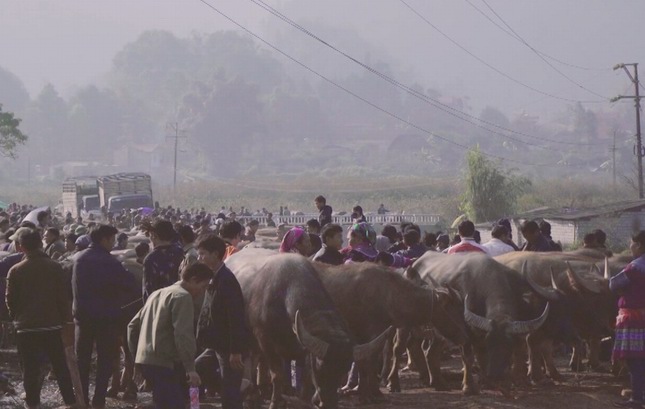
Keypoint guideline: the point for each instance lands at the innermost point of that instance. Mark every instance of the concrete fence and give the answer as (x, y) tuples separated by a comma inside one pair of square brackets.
[(301, 219)]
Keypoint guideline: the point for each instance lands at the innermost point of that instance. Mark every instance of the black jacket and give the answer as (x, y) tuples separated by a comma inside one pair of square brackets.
[(325, 215), (329, 256), (225, 330)]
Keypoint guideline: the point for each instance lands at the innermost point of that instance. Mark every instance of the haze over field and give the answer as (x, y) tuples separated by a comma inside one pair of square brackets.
[(100, 81)]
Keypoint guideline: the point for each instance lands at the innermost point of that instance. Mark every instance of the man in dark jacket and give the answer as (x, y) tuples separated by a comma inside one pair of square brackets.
[(101, 286), (535, 240), (325, 211), (5, 265), (161, 266), (412, 238), (332, 238), (222, 328), (40, 307)]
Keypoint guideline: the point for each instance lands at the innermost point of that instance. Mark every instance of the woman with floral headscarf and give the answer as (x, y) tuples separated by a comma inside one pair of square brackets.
[(361, 238), (296, 241)]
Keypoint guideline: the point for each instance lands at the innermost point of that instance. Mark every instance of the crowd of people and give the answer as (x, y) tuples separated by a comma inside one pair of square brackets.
[(177, 311)]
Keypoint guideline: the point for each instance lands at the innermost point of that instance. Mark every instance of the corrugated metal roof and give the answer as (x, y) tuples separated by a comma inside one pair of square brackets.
[(583, 213)]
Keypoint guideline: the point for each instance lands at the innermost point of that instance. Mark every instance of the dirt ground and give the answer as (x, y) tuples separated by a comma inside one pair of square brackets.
[(586, 390)]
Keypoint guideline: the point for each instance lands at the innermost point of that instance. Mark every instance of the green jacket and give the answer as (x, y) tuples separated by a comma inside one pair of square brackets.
[(38, 296), (162, 333)]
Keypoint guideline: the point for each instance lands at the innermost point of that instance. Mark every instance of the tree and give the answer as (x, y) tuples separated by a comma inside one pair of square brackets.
[(14, 95), (10, 135), (491, 192), (46, 120)]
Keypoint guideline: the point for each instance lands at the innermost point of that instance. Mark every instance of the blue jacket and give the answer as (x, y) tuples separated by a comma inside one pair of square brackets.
[(101, 286)]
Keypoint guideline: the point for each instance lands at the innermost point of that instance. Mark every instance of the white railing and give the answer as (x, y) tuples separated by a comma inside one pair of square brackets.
[(301, 220)]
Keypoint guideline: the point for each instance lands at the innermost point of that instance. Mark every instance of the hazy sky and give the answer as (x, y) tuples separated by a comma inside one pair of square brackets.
[(72, 42)]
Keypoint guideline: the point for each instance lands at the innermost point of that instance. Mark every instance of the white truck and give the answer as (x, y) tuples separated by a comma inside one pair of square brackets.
[(81, 197), (123, 191)]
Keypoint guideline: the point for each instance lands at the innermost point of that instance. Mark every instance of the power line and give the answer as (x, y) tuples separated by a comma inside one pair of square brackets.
[(419, 95), (497, 70), (513, 36), (373, 105), (540, 56)]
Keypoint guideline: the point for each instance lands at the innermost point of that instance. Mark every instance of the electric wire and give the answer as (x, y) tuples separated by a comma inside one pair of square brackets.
[(373, 105), (542, 57), (480, 11), (497, 70), (464, 116)]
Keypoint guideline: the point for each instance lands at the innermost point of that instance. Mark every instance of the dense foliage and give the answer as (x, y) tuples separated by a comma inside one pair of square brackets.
[(491, 191), (10, 134), (247, 112)]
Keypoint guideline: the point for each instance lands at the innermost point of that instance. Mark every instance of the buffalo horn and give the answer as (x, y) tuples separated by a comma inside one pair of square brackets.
[(313, 344), (543, 292), (367, 351), (475, 320), (554, 283), (581, 281), (607, 275), (525, 327)]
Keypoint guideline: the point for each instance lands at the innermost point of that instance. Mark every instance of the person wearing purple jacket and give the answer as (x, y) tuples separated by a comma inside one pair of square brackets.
[(101, 286), (629, 343)]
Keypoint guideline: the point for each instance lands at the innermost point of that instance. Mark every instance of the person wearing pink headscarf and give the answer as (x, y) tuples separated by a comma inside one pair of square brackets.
[(296, 241)]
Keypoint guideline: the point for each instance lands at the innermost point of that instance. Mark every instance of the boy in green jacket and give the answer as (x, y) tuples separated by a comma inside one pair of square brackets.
[(162, 337)]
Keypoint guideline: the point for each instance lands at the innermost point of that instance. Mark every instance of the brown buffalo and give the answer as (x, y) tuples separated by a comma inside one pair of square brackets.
[(371, 298), (292, 316)]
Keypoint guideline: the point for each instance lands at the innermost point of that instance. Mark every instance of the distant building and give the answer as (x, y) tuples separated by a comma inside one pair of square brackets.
[(620, 220), (151, 158)]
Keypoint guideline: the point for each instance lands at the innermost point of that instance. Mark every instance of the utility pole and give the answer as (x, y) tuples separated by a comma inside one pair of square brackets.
[(613, 162), (175, 128), (637, 98)]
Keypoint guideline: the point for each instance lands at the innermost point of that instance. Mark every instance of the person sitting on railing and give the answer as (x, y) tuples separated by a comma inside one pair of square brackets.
[(325, 210), (270, 221), (357, 215)]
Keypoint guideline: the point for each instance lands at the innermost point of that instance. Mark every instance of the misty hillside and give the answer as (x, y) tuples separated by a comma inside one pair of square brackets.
[(243, 109)]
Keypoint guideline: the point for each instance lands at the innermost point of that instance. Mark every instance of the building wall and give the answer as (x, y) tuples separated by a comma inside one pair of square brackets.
[(563, 231), (619, 229)]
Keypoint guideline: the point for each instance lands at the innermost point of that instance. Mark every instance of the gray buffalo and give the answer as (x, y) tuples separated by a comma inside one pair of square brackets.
[(494, 309), (579, 280)]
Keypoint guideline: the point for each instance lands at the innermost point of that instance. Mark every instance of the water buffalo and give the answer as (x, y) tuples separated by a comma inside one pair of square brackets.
[(494, 309), (291, 314), (579, 280), (371, 298)]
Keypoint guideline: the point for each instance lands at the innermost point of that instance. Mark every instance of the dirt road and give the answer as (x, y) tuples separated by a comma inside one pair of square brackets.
[(587, 390)]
